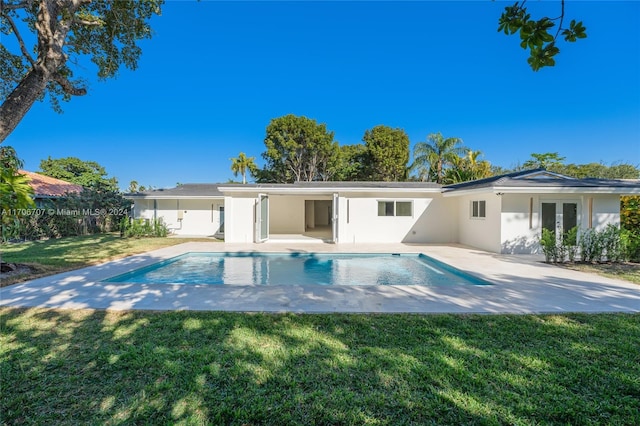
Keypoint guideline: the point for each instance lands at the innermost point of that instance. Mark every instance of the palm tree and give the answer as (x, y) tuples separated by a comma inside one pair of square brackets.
[(436, 154), (241, 164)]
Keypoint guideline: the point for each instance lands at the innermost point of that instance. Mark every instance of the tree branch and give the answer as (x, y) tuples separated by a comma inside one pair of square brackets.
[(14, 6), (68, 87), (561, 20), (23, 47)]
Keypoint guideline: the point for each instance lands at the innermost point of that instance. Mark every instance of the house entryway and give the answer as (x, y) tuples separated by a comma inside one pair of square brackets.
[(559, 216), (284, 218)]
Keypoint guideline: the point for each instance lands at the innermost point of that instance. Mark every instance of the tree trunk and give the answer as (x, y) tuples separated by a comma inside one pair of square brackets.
[(19, 102)]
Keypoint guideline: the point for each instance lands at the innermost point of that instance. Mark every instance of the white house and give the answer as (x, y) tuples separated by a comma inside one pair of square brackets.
[(502, 214)]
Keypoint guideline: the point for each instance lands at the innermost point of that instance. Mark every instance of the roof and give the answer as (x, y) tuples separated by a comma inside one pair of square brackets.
[(527, 181), (541, 180), (327, 187), (217, 190), (46, 186), (190, 190)]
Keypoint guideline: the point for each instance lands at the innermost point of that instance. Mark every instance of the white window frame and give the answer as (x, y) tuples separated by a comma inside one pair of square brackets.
[(476, 210), (395, 208)]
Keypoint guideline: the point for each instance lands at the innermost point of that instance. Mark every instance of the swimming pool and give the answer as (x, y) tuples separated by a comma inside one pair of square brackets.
[(299, 269)]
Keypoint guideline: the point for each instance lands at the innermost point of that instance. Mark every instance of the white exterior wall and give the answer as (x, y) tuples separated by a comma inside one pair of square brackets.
[(483, 233), (199, 216), (606, 210), (518, 237), (359, 222), (143, 209)]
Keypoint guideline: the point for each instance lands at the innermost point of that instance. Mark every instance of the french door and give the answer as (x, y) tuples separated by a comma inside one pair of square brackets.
[(559, 216), (262, 218)]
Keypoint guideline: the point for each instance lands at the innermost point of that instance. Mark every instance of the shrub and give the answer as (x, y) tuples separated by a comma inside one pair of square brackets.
[(548, 244), (138, 228)]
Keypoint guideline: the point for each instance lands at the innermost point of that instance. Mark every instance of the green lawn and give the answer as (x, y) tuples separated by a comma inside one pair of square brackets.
[(52, 256), (622, 271), (101, 367)]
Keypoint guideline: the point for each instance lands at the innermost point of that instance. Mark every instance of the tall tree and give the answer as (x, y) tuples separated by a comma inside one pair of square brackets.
[(133, 187), (63, 31), (436, 154), (298, 149), (468, 167), (538, 36), (241, 164), (353, 163), (388, 151), (549, 160), (86, 173)]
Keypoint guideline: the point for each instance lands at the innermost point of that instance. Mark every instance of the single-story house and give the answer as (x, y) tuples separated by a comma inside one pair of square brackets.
[(501, 214), (48, 188)]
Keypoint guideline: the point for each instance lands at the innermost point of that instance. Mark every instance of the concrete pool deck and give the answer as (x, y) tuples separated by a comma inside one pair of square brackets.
[(521, 284)]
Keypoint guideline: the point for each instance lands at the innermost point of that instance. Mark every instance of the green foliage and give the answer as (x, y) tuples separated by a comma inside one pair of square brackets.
[(570, 243), (15, 191), (105, 31), (548, 245), (298, 149), (432, 158), (467, 168), (73, 366), (89, 174), (353, 163), (137, 228), (388, 153), (242, 164), (630, 243), (88, 212), (537, 35), (133, 187), (609, 244), (549, 161)]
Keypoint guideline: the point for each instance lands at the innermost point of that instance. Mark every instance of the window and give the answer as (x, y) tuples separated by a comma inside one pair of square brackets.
[(395, 208), (479, 209), (403, 208)]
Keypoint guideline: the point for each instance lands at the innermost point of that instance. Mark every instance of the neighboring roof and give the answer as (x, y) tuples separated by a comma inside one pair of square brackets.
[(187, 190), (542, 181), (46, 186)]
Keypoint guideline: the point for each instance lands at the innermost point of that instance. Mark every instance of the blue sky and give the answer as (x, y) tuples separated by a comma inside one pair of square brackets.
[(215, 74)]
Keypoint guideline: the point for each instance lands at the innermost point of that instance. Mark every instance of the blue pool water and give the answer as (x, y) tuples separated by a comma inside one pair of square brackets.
[(300, 268)]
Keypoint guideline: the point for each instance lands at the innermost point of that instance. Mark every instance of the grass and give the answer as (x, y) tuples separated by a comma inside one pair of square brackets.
[(102, 367), (53, 256), (622, 271)]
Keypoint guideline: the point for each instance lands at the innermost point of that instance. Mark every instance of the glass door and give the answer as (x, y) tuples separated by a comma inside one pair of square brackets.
[(334, 218), (262, 218), (559, 217)]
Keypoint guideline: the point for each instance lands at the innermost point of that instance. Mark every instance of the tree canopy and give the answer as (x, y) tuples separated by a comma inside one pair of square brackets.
[(388, 153), (298, 149), (241, 164), (86, 173), (432, 157), (63, 31)]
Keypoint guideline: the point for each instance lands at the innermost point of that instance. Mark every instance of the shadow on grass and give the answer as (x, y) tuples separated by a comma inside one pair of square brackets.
[(84, 366)]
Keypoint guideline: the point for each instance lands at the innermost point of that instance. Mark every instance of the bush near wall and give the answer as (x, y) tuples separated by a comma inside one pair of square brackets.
[(143, 228), (89, 212), (630, 222), (611, 244)]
